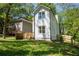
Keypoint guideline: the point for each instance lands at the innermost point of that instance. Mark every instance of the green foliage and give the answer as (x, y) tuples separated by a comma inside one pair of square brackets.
[(22, 10), (11, 11), (17, 10), (64, 12), (35, 48), (71, 22), (29, 18)]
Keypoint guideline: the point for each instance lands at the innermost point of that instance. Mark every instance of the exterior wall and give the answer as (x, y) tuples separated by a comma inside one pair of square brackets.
[(27, 27), (33, 27), (41, 22), (24, 30), (24, 26), (54, 27), (19, 26)]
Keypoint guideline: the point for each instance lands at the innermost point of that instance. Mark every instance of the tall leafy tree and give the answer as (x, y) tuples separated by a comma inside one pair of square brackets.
[(71, 23), (62, 8), (65, 10), (23, 10), (5, 14), (10, 11)]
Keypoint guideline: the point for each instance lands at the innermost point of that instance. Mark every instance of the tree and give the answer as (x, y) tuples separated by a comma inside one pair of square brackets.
[(10, 11), (5, 14), (71, 23), (23, 10), (61, 8)]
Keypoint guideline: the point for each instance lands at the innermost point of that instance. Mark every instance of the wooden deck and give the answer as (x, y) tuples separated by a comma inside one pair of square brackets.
[(25, 35)]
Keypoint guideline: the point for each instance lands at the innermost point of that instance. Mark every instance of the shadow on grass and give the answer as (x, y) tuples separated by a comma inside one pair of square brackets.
[(58, 49), (19, 48), (14, 52)]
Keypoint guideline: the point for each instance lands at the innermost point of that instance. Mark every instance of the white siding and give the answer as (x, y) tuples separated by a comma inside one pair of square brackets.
[(27, 27), (24, 26), (54, 27), (19, 25), (41, 22), (51, 24)]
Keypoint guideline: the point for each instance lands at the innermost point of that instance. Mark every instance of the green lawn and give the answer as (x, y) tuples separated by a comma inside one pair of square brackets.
[(35, 48)]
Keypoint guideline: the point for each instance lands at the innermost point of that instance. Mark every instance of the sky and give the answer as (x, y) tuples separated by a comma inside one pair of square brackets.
[(60, 9)]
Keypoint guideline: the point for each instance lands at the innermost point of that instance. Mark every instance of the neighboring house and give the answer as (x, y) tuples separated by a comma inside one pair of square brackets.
[(23, 29), (45, 24), (23, 25)]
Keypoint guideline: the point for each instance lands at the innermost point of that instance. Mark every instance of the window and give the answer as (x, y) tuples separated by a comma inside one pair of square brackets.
[(41, 29), (41, 15)]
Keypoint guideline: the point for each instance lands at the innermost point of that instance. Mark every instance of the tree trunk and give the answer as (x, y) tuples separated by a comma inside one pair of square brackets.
[(5, 21), (4, 31), (73, 38)]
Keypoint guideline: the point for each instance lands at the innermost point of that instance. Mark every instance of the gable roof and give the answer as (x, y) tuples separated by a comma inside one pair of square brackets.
[(41, 7), (23, 20)]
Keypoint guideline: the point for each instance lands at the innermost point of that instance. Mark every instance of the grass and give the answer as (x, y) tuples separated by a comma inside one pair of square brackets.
[(36, 48)]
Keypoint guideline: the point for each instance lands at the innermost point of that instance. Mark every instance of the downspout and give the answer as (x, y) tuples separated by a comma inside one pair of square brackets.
[(50, 26), (34, 26)]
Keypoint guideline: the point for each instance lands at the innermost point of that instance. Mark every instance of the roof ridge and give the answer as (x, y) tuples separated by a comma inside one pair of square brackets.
[(22, 19), (41, 6)]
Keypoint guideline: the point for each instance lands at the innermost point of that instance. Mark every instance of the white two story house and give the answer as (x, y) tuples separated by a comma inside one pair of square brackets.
[(45, 24)]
